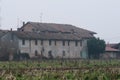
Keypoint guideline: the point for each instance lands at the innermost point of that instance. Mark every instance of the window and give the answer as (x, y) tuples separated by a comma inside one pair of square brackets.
[(43, 49), (36, 42), (41, 42), (36, 53), (23, 42), (76, 43), (50, 54), (63, 53), (55, 43), (68, 43), (33, 30), (63, 43), (22, 30), (50, 42), (80, 43)]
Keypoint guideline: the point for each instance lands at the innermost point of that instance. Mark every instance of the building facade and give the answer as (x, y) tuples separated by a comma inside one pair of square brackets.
[(54, 48), (50, 40)]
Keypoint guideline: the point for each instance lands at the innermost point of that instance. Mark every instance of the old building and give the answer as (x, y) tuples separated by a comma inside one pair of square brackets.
[(50, 40), (111, 52)]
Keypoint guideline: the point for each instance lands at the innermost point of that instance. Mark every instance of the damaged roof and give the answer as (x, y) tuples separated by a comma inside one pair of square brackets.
[(63, 28)]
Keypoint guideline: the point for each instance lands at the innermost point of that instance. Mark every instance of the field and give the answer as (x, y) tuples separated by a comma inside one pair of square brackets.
[(60, 70)]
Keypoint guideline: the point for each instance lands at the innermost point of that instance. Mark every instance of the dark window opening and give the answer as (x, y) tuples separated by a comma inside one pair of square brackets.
[(76, 43), (50, 54), (55, 43), (63, 43), (23, 42), (33, 30), (41, 53), (63, 53), (36, 42), (41, 42), (36, 53), (50, 42), (68, 43), (80, 43), (43, 49)]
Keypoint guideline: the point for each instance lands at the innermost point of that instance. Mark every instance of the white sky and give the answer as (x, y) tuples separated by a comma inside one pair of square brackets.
[(101, 16)]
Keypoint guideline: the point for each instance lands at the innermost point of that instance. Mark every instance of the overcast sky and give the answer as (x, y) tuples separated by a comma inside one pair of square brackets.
[(100, 16)]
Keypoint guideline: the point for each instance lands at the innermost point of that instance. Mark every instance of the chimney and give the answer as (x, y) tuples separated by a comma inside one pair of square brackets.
[(23, 23), (11, 29)]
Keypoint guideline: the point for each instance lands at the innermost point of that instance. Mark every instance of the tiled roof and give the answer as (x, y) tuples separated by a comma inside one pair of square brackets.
[(53, 27), (114, 45), (112, 49), (45, 35), (57, 27)]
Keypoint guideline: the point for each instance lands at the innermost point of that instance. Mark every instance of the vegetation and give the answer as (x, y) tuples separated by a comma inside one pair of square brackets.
[(96, 46), (61, 70), (7, 48)]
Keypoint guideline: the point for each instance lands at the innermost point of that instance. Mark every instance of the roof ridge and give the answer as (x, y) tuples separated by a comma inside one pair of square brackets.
[(49, 23)]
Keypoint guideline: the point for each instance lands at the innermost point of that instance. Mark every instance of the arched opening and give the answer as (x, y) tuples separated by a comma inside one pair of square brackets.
[(50, 54)]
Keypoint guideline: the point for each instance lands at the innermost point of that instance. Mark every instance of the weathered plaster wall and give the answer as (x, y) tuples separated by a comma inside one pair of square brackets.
[(57, 50)]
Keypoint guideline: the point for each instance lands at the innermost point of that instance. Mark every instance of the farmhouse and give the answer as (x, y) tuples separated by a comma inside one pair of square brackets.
[(50, 40)]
